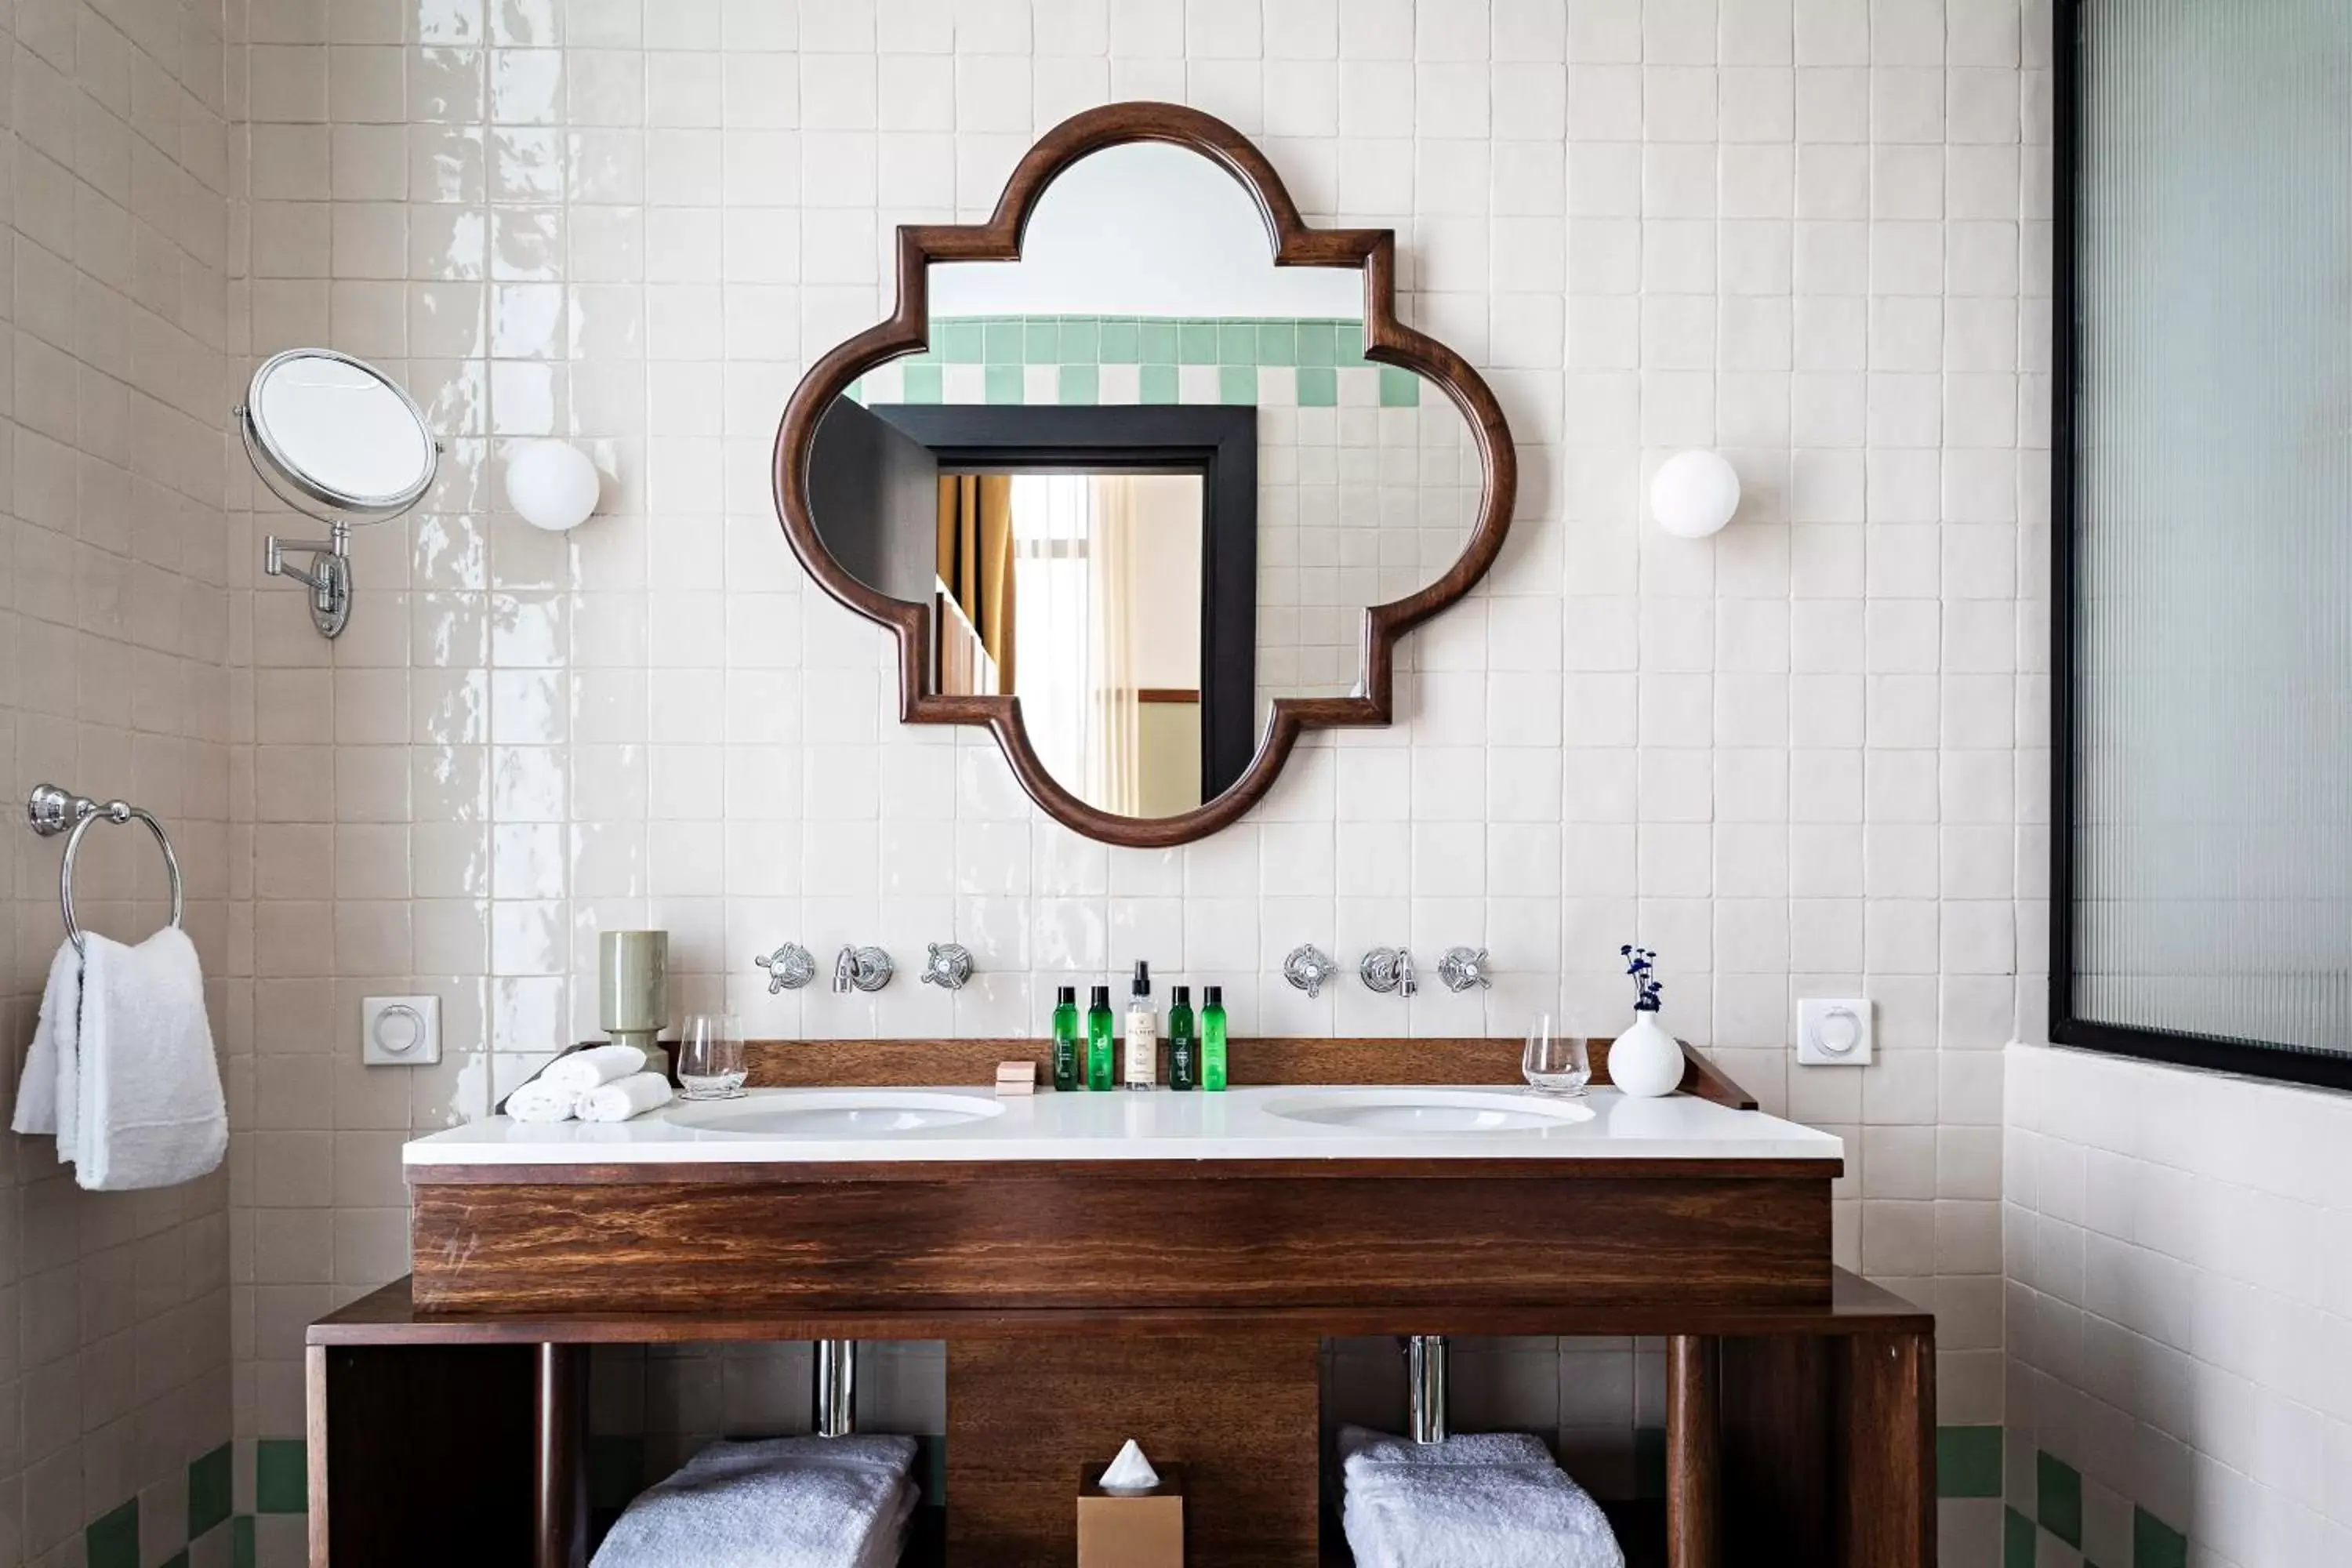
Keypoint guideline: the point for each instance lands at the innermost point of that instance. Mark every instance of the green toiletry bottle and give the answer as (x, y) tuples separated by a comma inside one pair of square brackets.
[(1183, 1061), (1101, 1029), (1213, 1038), (1065, 1038)]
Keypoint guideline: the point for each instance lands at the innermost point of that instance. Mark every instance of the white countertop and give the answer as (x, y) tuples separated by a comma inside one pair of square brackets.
[(1238, 1124)]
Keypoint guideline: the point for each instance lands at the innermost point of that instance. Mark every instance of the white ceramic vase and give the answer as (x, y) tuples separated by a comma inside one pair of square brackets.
[(1645, 1061)]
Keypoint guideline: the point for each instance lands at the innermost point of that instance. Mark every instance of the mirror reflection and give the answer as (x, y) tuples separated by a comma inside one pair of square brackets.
[(1145, 479)]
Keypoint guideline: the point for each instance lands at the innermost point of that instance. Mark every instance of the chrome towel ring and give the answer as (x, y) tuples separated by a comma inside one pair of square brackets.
[(52, 811)]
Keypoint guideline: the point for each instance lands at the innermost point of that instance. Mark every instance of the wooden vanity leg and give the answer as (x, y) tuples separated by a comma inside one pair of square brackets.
[(1693, 1476), (1886, 1390), (559, 1458)]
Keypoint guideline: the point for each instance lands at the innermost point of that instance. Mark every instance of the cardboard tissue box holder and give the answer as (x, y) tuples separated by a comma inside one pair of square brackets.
[(1132, 1530)]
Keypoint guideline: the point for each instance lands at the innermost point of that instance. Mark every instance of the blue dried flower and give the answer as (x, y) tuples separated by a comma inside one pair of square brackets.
[(1642, 964)]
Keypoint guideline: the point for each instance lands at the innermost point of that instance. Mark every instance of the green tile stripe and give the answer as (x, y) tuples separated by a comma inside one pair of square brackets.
[(281, 1476), (1968, 1461), (241, 1552), (1003, 348)]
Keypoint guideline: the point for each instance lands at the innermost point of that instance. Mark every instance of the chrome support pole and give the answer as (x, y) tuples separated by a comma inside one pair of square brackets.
[(1425, 1357), (836, 1388)]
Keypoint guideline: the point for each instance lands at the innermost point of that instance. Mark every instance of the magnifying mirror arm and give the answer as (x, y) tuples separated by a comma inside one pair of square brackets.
[(329, 578)]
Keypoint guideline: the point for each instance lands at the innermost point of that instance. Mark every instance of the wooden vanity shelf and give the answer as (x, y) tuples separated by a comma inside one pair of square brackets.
[(1183, 1302)]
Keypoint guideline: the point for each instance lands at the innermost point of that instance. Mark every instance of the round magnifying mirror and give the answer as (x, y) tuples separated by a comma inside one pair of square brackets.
[(336, 437)]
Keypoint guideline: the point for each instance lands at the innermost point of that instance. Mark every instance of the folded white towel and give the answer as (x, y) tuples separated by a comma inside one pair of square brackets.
[(581, 1071), (624, 1098), (540, 1101), (786, 1503), (134, 1091), (1488, 1500)]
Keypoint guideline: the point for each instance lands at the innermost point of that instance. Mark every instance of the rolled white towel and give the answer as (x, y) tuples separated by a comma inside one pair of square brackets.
[(540, 1101), (1490, 1500), (581, 1071), (786, 1503), (624, 1098)]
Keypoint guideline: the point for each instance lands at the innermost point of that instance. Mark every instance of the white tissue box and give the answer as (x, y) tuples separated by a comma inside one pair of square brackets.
[(1132, 1530)]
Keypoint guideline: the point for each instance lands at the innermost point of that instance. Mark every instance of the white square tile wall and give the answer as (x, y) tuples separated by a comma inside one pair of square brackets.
[(121, 661), (2179, 1307), (1802, 759)]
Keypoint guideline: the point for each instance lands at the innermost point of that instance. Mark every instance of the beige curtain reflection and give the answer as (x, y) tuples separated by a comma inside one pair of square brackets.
[(975, 560), (1114, 760)]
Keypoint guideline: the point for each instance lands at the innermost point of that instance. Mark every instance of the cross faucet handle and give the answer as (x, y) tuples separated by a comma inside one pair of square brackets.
[(1307, 967), (1463, 967), (789, 968)]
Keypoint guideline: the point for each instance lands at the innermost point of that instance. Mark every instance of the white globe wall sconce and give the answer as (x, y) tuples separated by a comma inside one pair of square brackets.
[(1694, 494), (551, 485)]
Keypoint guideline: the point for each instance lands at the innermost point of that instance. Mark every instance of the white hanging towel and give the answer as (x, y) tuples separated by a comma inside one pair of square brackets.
[(135, 1092), (785, 1502), (624, 1098), (1490, 1500), (50, 1062)]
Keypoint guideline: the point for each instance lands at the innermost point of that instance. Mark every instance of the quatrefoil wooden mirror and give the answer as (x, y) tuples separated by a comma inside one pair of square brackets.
[(1145, 474)]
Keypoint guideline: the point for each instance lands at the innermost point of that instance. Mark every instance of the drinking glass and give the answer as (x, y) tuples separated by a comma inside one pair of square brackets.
[(1555, 1063), (711, 1057)]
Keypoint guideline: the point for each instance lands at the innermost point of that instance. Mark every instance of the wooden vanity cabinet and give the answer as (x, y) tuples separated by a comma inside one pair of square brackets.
[(1179, 1303)]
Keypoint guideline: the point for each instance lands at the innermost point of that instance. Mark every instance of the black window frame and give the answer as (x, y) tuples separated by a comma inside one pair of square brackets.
[(2252, 1058)]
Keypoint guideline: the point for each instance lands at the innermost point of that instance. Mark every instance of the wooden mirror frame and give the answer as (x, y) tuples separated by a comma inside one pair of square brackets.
[(1387, 340)]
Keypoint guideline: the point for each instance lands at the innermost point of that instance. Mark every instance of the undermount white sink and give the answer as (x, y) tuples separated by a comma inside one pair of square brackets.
[(848, 1113), (1430, 1110)]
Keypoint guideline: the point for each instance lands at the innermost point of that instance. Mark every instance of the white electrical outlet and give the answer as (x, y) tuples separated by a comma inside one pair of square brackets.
[(1834, 1031), (400, 1031)]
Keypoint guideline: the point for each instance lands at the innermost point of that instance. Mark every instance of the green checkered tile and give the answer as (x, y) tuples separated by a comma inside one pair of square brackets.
[(923, 384), (1278, 342), (1968, 1461), (2058, 1498), (1006, 383), (209, 1485), (2156, 1545), (1121, 343), (1155, 343), (113, 1539), (1399, 388), (1003, 341), (1319, 386), (1080, 384), (1196, 342), (281, 1476), (1041, 341), (1157, 384), (1237, 384), (959, 343)]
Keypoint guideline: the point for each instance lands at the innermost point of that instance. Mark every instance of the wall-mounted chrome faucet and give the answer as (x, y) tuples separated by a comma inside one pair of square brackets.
[(1307, 967), (1386, 969), (866, 968), (1463, 967), (949, 965), (789, 968)]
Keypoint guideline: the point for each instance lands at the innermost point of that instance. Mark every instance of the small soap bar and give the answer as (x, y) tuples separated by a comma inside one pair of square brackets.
[(1016, 1078)]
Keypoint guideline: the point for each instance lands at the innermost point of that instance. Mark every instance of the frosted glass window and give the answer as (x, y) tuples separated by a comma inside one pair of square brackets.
[(2212, 559)]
